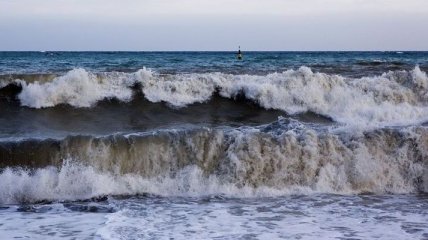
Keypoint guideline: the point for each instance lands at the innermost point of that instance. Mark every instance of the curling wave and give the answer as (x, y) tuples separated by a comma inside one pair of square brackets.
[(394, 98), (280, 158)]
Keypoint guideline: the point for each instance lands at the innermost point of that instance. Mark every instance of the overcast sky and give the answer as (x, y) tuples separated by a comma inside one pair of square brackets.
[(213, 24)]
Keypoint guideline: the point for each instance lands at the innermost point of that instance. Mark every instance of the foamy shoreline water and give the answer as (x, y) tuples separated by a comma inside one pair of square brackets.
[(292, 217)]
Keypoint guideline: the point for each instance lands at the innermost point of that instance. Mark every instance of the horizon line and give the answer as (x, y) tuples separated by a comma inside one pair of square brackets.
[(41, 51)]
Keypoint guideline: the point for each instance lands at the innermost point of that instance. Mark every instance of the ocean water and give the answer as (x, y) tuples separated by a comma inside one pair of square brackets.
[(199, 145)]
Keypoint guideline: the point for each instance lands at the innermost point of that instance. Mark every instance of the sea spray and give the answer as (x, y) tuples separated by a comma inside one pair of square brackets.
[(206, 161), (394, 98)]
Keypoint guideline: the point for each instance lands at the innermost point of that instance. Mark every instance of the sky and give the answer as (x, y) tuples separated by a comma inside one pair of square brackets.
[(208, 25)]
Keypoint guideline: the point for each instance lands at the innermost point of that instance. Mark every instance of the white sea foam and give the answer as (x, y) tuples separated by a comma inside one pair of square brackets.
[(294, 217), (74, 181), (394, 98), (239, 163), (79, 88), (303, 217), (77, 182), (180, 90)]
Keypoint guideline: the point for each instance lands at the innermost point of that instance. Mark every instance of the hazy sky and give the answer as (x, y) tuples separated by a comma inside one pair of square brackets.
[(213, 25)]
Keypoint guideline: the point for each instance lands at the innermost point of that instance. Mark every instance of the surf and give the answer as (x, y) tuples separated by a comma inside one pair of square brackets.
[(284, 157), (395, 98)]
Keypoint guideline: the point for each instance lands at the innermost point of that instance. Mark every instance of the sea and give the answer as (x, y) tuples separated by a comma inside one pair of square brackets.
[(200, 145)]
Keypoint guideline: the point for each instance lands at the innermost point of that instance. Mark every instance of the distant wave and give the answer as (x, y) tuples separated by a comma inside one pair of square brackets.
[(276, 159), (393, 98), (380, 62)]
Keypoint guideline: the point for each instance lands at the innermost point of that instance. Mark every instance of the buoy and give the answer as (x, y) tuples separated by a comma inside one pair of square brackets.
[(239, 55)]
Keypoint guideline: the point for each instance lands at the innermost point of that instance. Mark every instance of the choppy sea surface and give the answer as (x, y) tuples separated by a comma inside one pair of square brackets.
[(199, 145)]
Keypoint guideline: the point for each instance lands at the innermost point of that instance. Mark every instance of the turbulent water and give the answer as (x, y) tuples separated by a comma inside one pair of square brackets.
[(302, 145)]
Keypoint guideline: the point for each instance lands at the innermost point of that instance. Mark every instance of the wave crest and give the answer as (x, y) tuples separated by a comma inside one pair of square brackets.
[(235, 162), (79, 88), (394, 98)]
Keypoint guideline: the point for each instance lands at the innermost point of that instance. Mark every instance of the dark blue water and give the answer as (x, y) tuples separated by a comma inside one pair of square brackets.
[(355, 64)]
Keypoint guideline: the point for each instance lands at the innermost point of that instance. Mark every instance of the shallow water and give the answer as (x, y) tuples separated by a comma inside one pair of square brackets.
[(216, 217)]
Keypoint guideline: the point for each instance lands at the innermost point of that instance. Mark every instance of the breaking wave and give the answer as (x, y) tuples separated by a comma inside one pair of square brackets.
[(276, 159), (394, 98)]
